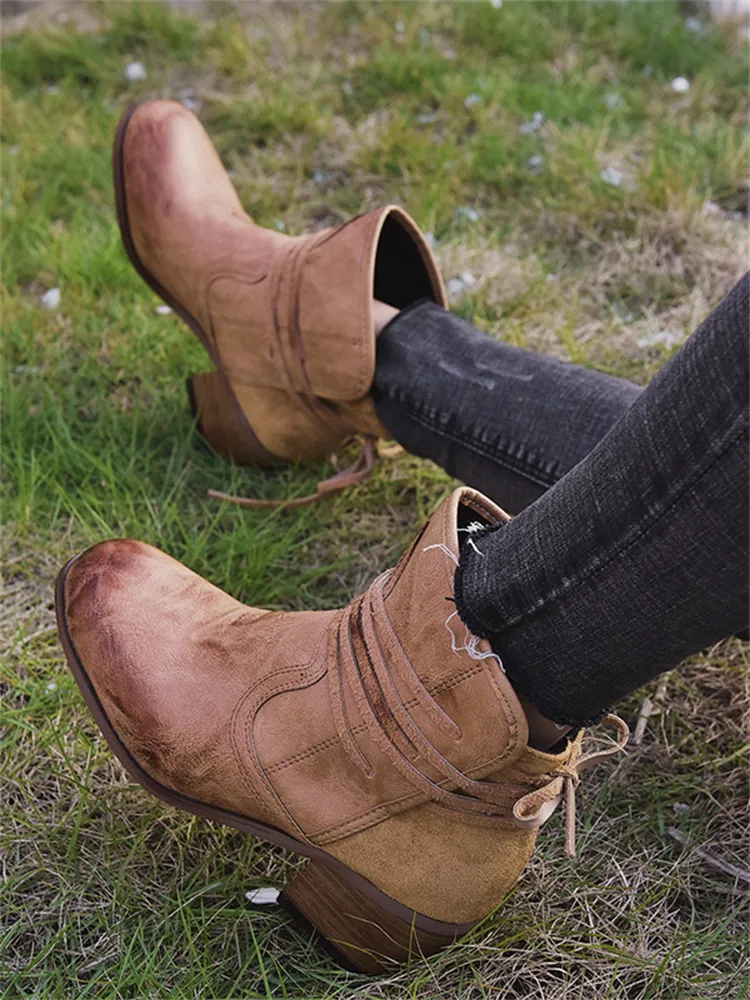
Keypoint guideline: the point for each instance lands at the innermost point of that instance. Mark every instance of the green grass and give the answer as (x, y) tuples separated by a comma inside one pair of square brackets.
[(320, 112)]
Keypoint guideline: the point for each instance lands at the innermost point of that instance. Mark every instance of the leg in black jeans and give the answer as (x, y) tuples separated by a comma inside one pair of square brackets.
[(638, 555)]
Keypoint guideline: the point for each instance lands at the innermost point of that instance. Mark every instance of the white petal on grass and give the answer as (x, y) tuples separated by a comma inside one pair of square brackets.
[(613, 100), (551, 277), (497, 4), (135, 71), (51, 298), (163, 310), (262, 897), (535, 163), (455, 287), (468, 278), (472, 99), (52, 686), (468, 213), (611, 175), (667, 338), (680, 85), (533, 125)]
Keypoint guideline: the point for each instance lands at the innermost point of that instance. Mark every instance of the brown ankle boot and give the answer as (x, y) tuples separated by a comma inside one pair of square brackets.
[(286, 320), (382, 741)]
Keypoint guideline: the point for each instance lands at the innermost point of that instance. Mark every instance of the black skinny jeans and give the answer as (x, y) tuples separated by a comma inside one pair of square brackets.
[(629, 550)]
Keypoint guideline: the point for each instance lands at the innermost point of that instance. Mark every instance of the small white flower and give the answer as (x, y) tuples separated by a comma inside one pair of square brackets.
[(52, 686), (468, 278), (400, 27), (551, 277), (135, 71), (472, 99), (51, 298), (611, 176), (163, 310), (680, 85), (613, 100), (535, 163)]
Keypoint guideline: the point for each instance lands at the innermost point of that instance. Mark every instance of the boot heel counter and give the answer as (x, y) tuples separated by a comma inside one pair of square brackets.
[(444, 864)]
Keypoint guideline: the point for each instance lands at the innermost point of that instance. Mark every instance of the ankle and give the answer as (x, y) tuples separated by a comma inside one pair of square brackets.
[(543, 732), (382, 314)]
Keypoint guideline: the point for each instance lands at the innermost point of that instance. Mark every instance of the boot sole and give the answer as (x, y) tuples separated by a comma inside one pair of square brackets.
[(365, 929), (261, 455)]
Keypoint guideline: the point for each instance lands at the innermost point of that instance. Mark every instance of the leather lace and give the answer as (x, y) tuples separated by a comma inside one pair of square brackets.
[(362, 631), (534, 808), (358, 472)]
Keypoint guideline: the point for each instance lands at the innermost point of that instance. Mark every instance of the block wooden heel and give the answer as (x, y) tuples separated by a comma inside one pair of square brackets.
[(364, 929), (222, 422)]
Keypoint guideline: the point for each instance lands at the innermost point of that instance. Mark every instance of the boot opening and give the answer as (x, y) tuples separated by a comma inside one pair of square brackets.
[(401, 276), (468, 515)]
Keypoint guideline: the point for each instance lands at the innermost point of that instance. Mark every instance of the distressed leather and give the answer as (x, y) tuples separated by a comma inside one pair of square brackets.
[(382, 732), (287, 318)]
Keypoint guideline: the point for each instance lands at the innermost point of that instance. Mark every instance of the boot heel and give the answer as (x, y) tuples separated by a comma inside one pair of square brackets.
[(365, 930), (222, 423)]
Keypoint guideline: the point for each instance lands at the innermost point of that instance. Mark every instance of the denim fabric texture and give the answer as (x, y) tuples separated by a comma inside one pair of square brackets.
[(630, 551)]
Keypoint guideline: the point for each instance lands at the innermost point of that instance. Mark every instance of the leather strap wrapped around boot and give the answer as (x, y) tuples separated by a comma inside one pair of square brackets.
[(287, 320)]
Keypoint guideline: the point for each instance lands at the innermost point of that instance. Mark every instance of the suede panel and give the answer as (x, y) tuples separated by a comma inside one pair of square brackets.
[(443, 864)]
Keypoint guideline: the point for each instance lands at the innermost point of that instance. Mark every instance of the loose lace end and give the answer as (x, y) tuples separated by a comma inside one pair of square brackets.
[(356, 473), (534, 809)]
